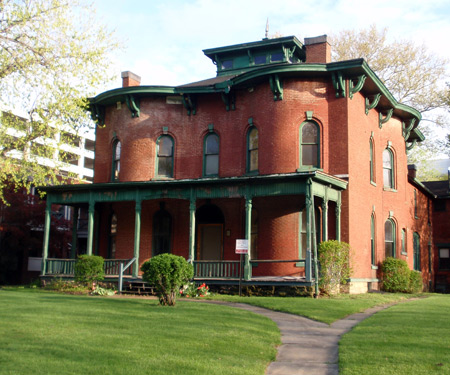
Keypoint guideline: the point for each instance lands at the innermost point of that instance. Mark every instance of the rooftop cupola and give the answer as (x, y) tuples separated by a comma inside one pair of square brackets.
[(239, 58)]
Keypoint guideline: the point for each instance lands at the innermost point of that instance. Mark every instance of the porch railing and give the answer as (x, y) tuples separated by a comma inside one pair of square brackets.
[(216, 269), (66, 267)]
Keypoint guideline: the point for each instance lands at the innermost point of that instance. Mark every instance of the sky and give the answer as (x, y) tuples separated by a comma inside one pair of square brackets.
[(162, 40)]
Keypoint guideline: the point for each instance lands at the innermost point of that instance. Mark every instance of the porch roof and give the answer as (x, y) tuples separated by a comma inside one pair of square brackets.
[(229, 187)]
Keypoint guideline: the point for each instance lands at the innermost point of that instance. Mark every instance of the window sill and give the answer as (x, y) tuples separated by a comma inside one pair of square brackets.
[(300, 264), (373, 183), (252, 173), (308, 169), (416, 217), (390, 189), (403, 253), (374, 267)]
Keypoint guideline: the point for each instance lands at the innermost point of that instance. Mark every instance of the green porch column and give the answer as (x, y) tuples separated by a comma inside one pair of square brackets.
[(48, 210), (90, 235), (338, 219), (137, 236), (248, 236), (314, 246), (192, 207), (73, 251), (309, 208), (325, 220)]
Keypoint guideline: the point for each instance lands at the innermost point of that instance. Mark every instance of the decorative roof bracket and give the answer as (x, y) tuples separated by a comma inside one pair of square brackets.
[(411, 145), (98, 114), (276, 86), (339, 84), (229, 100), (385, 119), (133, 105), (407, 129), (375, 100), (354, 88), (190, 104)]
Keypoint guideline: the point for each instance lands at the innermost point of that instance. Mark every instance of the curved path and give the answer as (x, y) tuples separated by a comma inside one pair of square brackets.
[(307, 347)]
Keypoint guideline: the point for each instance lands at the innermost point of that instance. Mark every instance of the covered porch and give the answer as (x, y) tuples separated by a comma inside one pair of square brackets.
[(308, 197)]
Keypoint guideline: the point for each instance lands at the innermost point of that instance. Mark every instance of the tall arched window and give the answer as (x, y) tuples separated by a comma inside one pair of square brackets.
[(416, 249), (372, 239), (112, 237), (309, 145), (116, 151), (372, 162), (389, 238), (252, 150), (162, 232), (388, 169), (211, 155), (164, 156)]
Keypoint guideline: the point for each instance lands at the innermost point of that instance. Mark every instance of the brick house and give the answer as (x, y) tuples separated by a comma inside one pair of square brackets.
[(283, 148)]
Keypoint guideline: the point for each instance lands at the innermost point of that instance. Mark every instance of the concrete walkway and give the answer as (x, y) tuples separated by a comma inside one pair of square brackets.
[(307, 347)]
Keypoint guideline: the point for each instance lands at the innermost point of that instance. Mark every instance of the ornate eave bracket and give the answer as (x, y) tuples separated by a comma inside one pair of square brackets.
[(339, 84), (98, 114), (371, 105), (133, 105), (190, 104), (411, 145), (383, 120), (353, 88), (276, 86), (230, 100), (407, 129)]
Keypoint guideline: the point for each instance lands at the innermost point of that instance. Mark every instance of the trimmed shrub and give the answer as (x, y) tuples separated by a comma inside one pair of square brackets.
[(334, 265), (395, 275), (415, 282), (168, 273), (89, 269)]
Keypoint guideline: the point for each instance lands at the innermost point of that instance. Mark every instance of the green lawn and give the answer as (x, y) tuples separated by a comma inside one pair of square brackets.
[(411, 338), (50, 333), (325, 310)]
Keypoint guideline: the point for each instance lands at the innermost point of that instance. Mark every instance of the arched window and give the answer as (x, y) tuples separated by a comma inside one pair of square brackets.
[(388, 169), (416, 248), (211, 155), (116, 151), (162, 231), (389, 238), (252, 150), (112, 237), (372, 162), (372, 239), (309, 145), (164, 156)]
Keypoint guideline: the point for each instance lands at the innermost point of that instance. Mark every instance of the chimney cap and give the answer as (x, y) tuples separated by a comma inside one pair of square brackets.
[(131, 75), (316, 40)]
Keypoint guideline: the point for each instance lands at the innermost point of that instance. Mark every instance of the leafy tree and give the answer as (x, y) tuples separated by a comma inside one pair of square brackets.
[(412, 73), (53, 55)]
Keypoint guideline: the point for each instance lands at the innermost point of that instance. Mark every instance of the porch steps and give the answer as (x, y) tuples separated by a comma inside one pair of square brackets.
[(140, 288)]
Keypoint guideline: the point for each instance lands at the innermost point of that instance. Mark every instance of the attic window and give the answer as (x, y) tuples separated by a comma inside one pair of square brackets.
[(261, 59), (227, 64), (276, 57)]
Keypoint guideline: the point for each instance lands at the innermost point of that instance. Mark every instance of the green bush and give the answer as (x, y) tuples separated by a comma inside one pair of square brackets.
[(334, 265), (415, 282), (395, 275), (167, 273), (89, 269)]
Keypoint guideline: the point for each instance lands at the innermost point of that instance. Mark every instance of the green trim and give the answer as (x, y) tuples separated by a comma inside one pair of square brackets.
[(190, 103), (391, 186), (276, 86), (416, 252), (133, 105), (403, 242), (372, 240), (372, 161), (371, 105), (354, 88), (338, 84), (382, 120)]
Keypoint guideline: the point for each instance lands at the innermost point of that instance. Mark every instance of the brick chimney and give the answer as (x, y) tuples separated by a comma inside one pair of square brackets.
[(318, 50), (412, 170), (130, 79)]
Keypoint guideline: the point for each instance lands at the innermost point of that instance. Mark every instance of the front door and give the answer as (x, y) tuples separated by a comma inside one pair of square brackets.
[(210, 241)]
